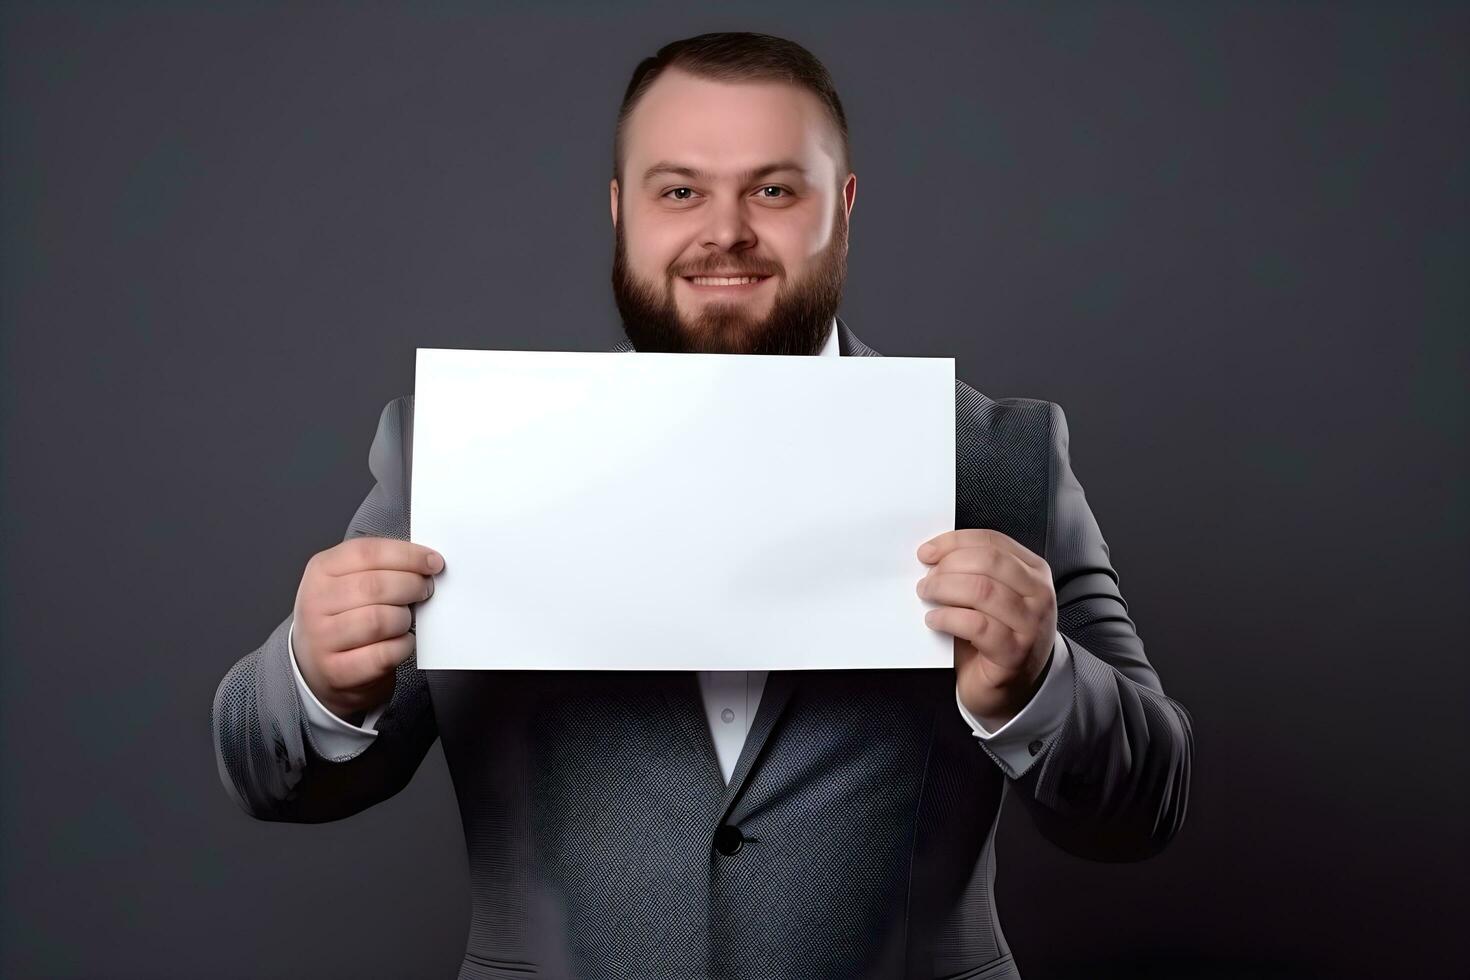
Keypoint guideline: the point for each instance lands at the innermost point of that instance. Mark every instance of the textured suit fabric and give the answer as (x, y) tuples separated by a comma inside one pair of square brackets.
[(590, 800)]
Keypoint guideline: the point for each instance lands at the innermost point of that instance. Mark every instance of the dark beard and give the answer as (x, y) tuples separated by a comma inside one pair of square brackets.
[(799, 321)]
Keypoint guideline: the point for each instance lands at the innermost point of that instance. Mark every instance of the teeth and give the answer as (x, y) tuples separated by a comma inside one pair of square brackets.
[(717, 281)]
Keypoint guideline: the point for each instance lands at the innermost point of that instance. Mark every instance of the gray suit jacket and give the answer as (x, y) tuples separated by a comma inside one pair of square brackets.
[(861, 814)]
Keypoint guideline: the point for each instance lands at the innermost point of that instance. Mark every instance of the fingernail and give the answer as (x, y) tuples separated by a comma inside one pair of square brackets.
[(436, 562), (926, 552)]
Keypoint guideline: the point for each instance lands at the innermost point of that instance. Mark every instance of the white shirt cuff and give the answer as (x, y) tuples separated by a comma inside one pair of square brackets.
[(1024, 737), (340, 740)]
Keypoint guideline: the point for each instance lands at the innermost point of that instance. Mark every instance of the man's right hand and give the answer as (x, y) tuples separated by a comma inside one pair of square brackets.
[(351, 622)]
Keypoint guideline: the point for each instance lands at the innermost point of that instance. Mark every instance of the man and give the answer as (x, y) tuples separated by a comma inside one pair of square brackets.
[(802, 824)]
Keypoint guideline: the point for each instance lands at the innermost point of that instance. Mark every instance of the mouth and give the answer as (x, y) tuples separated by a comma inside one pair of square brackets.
[(725, 285)]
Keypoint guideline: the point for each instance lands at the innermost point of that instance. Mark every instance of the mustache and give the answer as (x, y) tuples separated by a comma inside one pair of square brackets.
[(727, 268)]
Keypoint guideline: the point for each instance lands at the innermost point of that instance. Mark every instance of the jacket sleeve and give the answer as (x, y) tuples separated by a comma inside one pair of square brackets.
[(268, 758), (1111, 783)]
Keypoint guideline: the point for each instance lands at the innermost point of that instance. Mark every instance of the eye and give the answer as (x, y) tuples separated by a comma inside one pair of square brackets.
[(677, 190), (774, 187)]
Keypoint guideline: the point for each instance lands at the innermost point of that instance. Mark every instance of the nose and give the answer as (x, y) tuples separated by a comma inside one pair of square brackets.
[(729, 226)]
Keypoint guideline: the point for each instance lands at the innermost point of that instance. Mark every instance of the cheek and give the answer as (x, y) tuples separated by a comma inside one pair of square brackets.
[(798, 240), (825, 228), (652, 247)]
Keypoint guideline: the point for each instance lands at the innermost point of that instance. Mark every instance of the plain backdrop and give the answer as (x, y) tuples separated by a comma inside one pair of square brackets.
[(1229, 240)]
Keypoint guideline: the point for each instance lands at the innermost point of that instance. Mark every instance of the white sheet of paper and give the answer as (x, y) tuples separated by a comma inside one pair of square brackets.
[(652, 511)]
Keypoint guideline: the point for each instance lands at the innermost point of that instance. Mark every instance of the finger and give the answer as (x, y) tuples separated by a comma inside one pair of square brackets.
[(364, 625), (362, 554), (979, 592), (994, 639), (992, 673), (371, 588), (366, 666), (970, 537), (999, 564)]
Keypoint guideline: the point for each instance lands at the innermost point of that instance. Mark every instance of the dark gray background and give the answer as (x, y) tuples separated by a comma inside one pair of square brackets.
[(1229, 240)]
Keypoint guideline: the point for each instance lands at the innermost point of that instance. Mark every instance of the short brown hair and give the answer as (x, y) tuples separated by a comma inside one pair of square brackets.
[(732, 56)]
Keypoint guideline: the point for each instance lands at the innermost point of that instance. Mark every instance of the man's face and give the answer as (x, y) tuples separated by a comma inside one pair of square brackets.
[(729, 180)]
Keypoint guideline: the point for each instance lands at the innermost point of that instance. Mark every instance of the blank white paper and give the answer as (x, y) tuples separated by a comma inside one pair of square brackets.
[(652, 511)]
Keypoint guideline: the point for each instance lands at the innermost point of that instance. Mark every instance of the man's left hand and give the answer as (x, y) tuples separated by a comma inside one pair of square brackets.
[(997, 599)]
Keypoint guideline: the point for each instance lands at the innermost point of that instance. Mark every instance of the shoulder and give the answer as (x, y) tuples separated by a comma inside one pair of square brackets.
[(390, 458), (396, 415), (1004, 452), (1022, 420)]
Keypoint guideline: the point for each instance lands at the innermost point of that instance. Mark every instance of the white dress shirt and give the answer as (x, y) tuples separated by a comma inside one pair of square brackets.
[(732, 696)]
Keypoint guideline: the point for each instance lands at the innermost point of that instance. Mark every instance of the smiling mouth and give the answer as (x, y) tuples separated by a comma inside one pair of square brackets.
[(724, 282)]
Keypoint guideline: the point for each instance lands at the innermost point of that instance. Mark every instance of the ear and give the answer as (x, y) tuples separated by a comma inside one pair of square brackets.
[(612, 190), (849, 193)]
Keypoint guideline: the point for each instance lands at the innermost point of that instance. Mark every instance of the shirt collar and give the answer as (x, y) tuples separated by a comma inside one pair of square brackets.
[(831, 347)]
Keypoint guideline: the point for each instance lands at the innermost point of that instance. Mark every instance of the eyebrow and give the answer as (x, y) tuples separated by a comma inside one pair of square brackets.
[(756, 173)]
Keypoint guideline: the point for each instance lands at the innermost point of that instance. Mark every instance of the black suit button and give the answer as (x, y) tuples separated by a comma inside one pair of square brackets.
[(1035, 746), (728, 839)]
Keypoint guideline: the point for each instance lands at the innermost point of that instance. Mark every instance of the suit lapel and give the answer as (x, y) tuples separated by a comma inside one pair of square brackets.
[(686, 705), (849, 344), (681, 688), (774, 697)]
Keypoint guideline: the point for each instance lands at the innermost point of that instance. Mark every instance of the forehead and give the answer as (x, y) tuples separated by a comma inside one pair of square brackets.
[(728, 126)]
